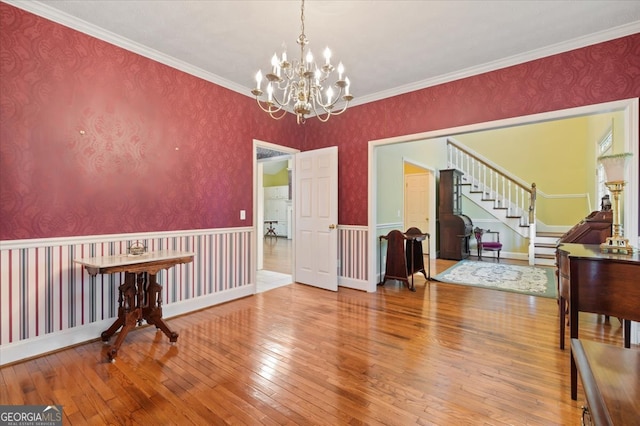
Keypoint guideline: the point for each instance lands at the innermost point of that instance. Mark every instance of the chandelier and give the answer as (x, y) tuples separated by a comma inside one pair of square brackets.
[(300, 85)]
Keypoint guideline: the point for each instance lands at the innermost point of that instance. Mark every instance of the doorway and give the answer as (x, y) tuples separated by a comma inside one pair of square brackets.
[(628, 107), (273, 215), (419, 201)]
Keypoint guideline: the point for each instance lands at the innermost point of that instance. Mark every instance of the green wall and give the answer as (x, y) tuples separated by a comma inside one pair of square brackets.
[(279, 178), (390, 173)]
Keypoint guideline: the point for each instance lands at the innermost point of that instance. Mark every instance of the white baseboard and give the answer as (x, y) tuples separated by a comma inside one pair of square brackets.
[(52, 342), (353, 283)]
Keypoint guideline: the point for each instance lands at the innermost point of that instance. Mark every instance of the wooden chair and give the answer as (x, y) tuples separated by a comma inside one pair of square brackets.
[(404, 256), (396, 266), (492, 245), (415, 254)]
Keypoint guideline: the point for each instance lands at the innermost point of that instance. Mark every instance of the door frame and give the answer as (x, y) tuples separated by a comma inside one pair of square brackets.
[(432, 205), (258, 203), (628, 106)]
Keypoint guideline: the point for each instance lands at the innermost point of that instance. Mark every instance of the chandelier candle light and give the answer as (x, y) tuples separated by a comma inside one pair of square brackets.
[(614, 166), (299, 85)]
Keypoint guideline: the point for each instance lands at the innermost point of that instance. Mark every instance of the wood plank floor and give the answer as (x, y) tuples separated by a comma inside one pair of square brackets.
[(444, 355), (277, 255)]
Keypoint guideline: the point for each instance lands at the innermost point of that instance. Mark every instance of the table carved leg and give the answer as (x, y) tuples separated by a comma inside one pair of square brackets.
[(140, 298), (129, 313), (152, 312)]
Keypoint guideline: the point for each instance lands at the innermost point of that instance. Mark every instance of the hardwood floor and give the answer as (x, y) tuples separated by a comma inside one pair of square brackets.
[(277, 255), (444, 355)]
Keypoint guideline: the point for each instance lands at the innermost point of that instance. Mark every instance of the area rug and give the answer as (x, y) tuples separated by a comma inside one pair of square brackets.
[(499, 276)]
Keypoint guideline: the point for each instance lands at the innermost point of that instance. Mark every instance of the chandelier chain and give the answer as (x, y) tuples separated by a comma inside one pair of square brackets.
[(302, 18)]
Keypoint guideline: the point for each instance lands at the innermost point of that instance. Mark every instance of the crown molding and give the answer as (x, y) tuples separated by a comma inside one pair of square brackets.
[(577, 43), (42, 9)]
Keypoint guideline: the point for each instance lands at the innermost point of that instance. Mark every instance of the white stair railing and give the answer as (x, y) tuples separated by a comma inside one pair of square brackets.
[(505, 191)]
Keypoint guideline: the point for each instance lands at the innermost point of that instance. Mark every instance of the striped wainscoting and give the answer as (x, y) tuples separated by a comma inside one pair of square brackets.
[(48, 302), (353, 257)]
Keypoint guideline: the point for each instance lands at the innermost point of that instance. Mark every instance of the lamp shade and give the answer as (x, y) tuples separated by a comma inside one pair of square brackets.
[(614, 166)]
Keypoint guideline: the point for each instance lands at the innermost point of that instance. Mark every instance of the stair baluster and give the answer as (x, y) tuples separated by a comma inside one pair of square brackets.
[(507, 193)]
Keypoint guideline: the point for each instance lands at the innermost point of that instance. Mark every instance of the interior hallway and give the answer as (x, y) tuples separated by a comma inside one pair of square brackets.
[(277, 264)]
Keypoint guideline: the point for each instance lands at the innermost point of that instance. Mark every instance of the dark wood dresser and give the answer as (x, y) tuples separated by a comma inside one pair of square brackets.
[(594, 229), (599, 283)]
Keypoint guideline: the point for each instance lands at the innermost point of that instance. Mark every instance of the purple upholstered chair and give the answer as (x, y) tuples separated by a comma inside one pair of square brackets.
[(492, 245)]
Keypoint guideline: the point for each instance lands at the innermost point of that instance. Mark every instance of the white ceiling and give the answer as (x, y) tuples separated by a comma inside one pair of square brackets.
[(388, 47)]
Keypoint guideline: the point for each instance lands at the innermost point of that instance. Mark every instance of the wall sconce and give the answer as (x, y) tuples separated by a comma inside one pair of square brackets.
[(614, 166)]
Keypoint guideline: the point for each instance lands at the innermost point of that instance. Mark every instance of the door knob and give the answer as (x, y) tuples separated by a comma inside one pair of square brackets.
[(332, 226)]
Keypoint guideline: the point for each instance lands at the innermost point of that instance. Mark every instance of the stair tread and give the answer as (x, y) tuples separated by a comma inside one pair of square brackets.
[(549, 234), (544, 256), (479, 194)]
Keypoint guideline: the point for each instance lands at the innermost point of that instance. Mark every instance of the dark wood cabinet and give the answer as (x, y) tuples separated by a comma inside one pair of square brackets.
[(450, 195), (593, 229), (455, 228), (599, 283)]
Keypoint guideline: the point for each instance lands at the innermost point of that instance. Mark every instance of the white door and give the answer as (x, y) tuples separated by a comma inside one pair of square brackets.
[(316, 218), (416, 202)]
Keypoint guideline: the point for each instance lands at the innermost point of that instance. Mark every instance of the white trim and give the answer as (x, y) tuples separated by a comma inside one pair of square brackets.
[(42, 9), (556, 229), (88, 239), (632, 145), (352, 283), (587, 198), (577, 43), (388, 225), (258, 202), (628, 106)]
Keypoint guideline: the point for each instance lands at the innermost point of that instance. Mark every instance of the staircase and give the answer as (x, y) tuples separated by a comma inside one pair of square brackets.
[(498, 208), (508, 199), (545, 248)]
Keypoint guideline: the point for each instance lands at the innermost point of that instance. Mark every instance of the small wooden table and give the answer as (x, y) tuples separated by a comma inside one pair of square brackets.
[(611, 381), (140, 295)]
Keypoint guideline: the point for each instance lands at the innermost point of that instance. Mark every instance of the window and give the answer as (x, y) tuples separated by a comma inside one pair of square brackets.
[(605, 146)]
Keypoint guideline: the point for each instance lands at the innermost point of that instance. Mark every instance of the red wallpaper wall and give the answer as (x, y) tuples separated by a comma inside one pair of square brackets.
[(163, 150), (600, 73), (97, 140)]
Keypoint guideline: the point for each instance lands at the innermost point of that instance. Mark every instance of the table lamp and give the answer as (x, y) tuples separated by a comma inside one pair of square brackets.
[(614, 166)]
